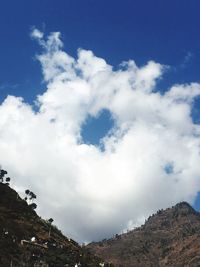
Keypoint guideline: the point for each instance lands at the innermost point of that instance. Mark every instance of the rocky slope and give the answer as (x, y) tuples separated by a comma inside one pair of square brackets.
[(169, 238), (19, 224)]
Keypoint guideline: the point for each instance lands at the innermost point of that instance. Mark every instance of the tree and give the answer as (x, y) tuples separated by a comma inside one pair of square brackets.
[(32, 196), (7, 180), (27, 191), (33, 206), (2, 177), (29, 195), (2, 174), (50, 222)]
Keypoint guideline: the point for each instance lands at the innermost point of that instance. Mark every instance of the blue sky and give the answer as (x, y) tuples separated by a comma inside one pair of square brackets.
[(164, 32), (167, 32)]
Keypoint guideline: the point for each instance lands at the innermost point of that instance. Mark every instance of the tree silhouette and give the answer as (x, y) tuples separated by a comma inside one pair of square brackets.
[(33, 206), (2, 175), (7, 180), (50, 222), (32, 196), (27, 191), (29, 195)]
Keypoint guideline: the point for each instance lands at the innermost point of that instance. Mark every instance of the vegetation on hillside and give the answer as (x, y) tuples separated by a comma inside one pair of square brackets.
[(29, 241), (170, 237)]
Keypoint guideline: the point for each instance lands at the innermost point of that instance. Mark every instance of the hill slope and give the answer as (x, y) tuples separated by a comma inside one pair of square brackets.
[(169, 238), (19, 223)]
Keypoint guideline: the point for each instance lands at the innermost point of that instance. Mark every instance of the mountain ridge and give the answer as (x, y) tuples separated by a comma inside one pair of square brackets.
[(171, 237)]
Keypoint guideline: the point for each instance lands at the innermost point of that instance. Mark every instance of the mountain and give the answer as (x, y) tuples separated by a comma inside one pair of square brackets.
[(170, 237), (25, 240)]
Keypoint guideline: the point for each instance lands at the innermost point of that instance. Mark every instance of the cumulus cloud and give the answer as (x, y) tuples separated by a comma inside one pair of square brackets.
[(150, 158)]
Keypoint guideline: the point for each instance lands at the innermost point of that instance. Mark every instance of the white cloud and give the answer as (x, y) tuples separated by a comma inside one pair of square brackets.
[(36, 34), (91, 193)]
